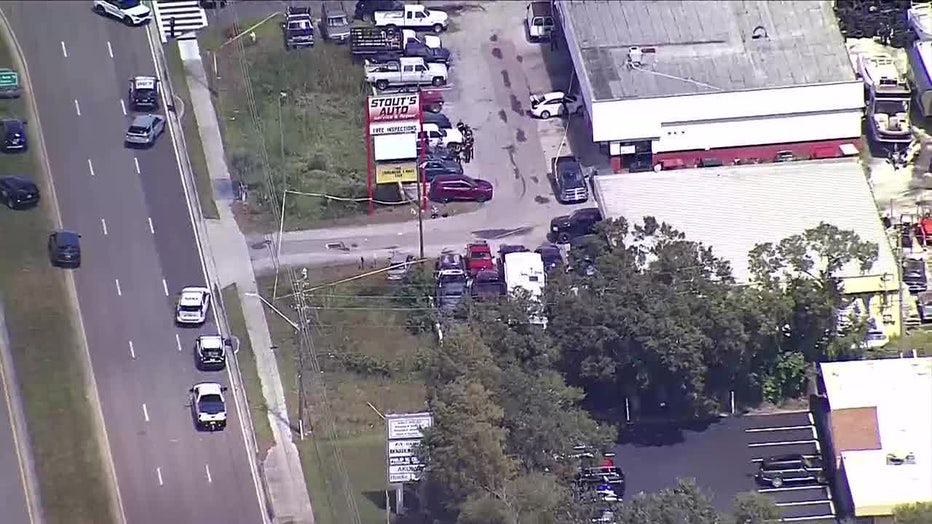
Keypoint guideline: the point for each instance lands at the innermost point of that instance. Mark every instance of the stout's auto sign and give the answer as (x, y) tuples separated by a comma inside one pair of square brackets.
[(388, 108)]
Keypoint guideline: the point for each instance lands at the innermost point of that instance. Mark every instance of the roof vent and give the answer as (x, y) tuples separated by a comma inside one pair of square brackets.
[(898, 459), (635, 56)]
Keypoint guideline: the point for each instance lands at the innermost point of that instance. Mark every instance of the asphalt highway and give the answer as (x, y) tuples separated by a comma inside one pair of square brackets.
[(139, 251)]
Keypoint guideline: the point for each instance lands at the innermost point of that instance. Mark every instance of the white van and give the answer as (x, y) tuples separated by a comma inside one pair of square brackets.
[(539, 21)]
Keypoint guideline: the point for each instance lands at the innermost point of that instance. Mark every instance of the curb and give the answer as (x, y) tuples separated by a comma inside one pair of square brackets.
[(93, 395)]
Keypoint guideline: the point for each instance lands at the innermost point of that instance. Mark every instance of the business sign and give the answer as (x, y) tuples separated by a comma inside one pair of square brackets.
[(401, 106), (403, 435), (395, 128), (395, 172), (8, 79)]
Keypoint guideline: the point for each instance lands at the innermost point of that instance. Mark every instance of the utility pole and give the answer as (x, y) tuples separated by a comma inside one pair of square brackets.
[(421, 177)]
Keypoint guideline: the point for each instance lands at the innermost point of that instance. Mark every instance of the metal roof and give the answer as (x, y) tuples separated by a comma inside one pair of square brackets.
[(691, 48), (731, 209)]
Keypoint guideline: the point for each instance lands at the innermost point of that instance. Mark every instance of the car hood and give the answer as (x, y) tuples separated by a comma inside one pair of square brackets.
[(139, 10), (483, 184)]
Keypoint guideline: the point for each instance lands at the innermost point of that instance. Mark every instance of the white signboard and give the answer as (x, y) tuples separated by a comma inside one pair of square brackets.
[(395, 147), (408, 426), (395, 128), (403, 434)]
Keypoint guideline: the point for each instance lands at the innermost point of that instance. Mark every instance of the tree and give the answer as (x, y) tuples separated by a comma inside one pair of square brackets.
[(754, 508), (685, 503), (416, 293), (916, 513), (463, 354), (533, 498), (464, 449)]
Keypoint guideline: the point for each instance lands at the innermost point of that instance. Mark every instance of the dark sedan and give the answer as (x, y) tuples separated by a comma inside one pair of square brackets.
[(13, 136), (65, 249), (18, 192), (434, 167), (437, 118), (551, 256)]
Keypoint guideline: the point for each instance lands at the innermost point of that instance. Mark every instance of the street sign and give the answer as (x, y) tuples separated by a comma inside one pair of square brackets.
[(9, 83), (403, 435)]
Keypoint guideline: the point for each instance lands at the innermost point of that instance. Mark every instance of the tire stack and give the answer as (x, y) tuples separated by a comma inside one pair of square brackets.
[(884, 20)]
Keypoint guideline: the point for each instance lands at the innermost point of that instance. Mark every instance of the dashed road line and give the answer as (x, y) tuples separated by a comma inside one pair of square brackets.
[(136, 162), (151, 226), (123, 106), (77, 107), (145, 411), (165, 286), (178, 341), (793, 488), (809, 519), (207, 469), (132, 350), (90, 167), (64, 50), (119, 291), (800, 503), (158, 473), (103, 225), (109, 49), (761, 459)]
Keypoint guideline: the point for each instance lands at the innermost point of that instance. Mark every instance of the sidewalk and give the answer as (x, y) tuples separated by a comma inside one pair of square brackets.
[(282, 469)]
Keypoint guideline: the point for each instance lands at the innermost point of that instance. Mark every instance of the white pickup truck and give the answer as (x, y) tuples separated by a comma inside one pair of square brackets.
[(405, 72), (413, 17)]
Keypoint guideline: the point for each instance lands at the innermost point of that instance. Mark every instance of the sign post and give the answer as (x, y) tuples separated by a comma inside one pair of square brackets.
[(390, 116), (402, 437)]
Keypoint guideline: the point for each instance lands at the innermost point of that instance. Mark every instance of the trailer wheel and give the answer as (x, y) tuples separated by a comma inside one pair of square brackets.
[(381, 85)]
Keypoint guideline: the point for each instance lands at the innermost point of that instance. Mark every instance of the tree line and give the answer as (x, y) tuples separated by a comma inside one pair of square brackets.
[(659, 319)]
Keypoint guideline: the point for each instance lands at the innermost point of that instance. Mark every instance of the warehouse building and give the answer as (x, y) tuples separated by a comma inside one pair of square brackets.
[(731, 209), (879, 429), (678, 84)]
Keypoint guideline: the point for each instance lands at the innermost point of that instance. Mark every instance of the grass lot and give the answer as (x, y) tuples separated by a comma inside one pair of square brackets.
[(247, 365), (48, 354), (310, 104), (366, 355), (191, 136)]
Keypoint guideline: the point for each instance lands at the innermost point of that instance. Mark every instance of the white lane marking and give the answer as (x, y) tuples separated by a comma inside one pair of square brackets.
[(151, 227), (811, 419), (808, 519), (158, 473), (800, 503), (178, 341), (123, 106), (103, 224), (109, 49), (90, 166), (165, 286), (207, 469), (145, 411), (794, 488), (760, 459), (777, 428), (136, 162), (119, 291), (64, 51), (831, 505), (132, 351), (77, 107), (782, 443)]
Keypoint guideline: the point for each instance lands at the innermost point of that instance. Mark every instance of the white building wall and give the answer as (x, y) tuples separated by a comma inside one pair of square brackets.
[(836, 113)]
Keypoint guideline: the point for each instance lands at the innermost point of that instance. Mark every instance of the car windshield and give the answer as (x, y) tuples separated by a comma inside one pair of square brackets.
[(212, 352), (210, 404), (138, 130), (144, 91), (571, 177), (127, 4), (481, 255), (190, 308), (336, 21)]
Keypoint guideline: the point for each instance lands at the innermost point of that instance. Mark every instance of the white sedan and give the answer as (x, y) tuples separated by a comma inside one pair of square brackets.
[(193, 305), (556, 103)]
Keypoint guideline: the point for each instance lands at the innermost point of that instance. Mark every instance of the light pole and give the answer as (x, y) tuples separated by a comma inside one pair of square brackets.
[(281, 219)]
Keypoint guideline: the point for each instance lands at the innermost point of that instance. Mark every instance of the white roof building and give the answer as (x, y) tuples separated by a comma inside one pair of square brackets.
[(881, 424)]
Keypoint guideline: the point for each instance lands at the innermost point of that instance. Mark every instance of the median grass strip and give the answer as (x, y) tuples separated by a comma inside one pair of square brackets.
[(47, 353), (191, 135), (247, 366), (368, 360)]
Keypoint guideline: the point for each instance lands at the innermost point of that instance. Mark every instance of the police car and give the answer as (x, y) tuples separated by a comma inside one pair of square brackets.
[(208, 407), (144, 93), (193, 305), (210, 352)]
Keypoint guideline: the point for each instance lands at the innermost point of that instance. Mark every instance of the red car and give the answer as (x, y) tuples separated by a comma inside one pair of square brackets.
[(479, 257), (450, 188)]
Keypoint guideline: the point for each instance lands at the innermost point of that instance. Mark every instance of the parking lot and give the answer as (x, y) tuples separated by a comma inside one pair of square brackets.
[(723, 456)]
